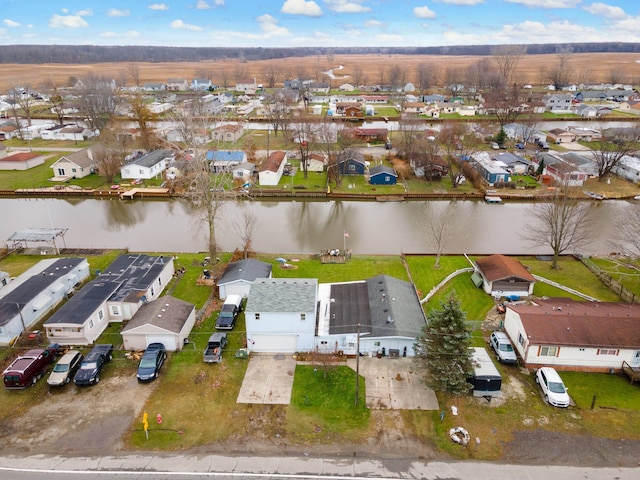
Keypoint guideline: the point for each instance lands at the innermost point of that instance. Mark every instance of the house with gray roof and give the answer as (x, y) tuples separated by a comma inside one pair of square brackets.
[(147, 166), (514, 163), (281, 313), (385, 310), (115, 295), (74, 165), (166, 320), (29, 298), (238, 277)]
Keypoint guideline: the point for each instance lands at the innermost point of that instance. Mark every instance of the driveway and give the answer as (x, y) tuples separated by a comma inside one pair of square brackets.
[(393, 384), (268, 379)]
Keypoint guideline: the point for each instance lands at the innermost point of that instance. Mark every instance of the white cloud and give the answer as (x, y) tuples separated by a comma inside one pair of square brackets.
[(180, 25), (126, 35), (607, 11), (10, 23), (158, 6), (202, 5), (424, 12), (308, 8), (347, 6), (269, 25), (547, 3), (85, 13), (463, 2), (67, 21), (114, 12), (219, 3), (373, 23)]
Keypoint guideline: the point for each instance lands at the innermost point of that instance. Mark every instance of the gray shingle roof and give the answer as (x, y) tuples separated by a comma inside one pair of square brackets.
[(283, 295), (167, 312), (248, 269)]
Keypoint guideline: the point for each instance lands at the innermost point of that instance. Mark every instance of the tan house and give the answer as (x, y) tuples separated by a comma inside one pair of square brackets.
[(75, 165), (177, 85), (227, 133), (558, 135)]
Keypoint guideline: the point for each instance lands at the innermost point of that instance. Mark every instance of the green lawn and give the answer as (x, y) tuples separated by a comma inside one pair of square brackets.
[(625, 271)]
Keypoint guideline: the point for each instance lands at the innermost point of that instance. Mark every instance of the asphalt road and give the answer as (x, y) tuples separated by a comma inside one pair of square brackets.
[(250, 468)]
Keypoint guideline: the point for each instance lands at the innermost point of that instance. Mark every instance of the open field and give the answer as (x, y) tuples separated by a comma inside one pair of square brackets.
[(594, 67)]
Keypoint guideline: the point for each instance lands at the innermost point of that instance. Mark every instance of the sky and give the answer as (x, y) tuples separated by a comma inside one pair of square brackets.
[(316, 23)]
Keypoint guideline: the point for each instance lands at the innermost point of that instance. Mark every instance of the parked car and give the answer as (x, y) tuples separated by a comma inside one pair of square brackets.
[(93, 363), (520, 146), (27, 368), (229, 312), (65, 369), (553, 389), (151, 362), (503, 347), (216, 344)]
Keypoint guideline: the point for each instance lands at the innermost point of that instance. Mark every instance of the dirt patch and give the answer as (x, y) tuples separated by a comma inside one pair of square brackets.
[(76, 420)]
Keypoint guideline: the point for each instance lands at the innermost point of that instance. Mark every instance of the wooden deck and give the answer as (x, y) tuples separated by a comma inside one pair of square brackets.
[(632, 372), (144, 192), (333, 256)]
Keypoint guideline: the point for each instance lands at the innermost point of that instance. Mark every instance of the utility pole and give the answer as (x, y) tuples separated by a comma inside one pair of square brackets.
[(358, 363)]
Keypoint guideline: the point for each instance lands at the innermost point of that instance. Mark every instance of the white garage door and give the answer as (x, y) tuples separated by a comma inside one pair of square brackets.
[(274, 343), (169, 341)]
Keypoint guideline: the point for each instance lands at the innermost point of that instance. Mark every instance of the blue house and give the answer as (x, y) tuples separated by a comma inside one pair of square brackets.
[(382, 175), (491, 171), (351, 162), (225, 160)]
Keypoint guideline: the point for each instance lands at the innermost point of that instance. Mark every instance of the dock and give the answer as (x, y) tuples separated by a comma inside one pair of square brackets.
[(144, 192), (492, 199)]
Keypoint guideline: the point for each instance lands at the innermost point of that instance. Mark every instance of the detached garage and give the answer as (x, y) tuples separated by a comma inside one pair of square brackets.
[(166, 320)]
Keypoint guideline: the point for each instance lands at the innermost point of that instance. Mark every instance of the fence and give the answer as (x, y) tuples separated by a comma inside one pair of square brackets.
[(614, 285)]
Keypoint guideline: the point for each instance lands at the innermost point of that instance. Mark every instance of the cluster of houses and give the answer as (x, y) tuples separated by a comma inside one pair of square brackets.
[(382, 314)]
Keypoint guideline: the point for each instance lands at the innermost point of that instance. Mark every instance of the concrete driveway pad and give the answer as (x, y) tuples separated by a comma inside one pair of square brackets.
[(268, 379), (392, 384)]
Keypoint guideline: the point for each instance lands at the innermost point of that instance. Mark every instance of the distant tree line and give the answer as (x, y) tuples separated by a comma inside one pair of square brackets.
[(36, 54)]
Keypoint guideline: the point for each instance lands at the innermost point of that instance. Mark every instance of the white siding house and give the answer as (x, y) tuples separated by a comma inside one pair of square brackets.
[(238, 277), (145, 167), (29, 298), (114, 296), (271, 170), (571, 335), (281, 315), (75, 165)]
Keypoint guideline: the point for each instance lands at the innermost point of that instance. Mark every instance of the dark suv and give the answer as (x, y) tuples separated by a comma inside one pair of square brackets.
[(151, 362), (94, 361)]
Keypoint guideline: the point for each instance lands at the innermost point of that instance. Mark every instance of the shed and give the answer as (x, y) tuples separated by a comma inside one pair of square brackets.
[(486, 379), (166, 320), (238, 277), (382, 175)]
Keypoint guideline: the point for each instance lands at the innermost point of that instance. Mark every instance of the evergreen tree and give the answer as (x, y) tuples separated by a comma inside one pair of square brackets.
[(501, 137), (443, 348)]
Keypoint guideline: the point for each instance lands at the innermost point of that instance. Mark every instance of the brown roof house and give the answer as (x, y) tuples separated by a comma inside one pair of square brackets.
[(571, 335), (502, 276), (20, 160), (271, 170)]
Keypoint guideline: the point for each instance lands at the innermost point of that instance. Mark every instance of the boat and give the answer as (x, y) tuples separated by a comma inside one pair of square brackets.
[(595, 196), (460, 436), (492, 199)]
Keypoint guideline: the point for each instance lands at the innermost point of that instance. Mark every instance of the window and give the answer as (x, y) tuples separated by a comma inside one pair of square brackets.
[(351, 168), (100, 314), (605, 351), (521, 339), (91, 323), (257, 316), (74, 170), (303, 316), (115, 310), (549, 351), (323, 342), (376, 344)]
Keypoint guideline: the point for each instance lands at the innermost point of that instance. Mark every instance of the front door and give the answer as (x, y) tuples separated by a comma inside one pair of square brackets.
[(635, 361)]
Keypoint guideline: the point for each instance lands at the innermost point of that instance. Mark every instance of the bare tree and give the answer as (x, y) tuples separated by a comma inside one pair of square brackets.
[(612, 147), (626, 236), (277, 109), (302, 134), (412, 139), (396, 75), (21, 96), (427, 76), (246, 230), (437, 217), (506, 104), (560, 74), (97, 101), (453, 80), (271, 75), (457, 142), (109, 153), (133, 72), (562, 224), (506, 59), (144, 117), (358, 77)]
